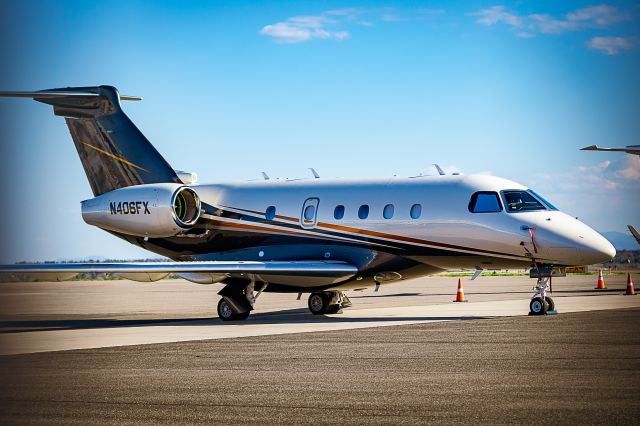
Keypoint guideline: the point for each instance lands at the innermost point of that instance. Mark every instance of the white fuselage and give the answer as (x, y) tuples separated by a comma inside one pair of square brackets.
[(445, 220)]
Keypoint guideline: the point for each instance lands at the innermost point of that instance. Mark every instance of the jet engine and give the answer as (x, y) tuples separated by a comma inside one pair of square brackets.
[(152, 210)]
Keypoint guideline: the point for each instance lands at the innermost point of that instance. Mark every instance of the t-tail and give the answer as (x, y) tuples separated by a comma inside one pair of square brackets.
[(113, 152)]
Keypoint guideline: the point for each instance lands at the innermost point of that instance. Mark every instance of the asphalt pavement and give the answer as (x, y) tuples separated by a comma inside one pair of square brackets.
[(578, 368)]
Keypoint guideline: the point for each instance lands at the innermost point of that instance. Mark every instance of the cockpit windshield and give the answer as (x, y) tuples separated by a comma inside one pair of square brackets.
[(521, 201), (546, 203)]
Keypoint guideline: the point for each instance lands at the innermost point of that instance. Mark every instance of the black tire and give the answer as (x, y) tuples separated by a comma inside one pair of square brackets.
[(227, 313), (538, 306), (318, 303), (550, 303)]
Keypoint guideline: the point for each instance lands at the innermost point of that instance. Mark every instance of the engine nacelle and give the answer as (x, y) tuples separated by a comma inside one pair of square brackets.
[(152, 210)]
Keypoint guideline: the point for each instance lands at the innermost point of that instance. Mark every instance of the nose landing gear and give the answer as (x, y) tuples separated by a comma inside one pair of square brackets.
[(541, 304)]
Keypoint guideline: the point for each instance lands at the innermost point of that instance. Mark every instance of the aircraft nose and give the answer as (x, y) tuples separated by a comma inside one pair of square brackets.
[(597, 249)]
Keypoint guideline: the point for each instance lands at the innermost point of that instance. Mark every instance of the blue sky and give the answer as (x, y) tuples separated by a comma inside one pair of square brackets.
[(353, 89)]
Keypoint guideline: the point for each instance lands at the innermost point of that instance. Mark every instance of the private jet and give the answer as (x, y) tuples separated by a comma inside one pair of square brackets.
[(629, 149), (318, 236)]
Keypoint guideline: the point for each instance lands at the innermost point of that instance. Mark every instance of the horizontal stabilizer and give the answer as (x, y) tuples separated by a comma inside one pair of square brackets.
[(61, 93)]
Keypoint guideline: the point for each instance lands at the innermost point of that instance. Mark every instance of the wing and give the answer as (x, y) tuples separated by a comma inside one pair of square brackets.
[(631, 149), (298, 273)]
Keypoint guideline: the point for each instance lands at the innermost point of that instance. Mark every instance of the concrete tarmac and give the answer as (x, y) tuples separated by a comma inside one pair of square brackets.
[(123, 353), (574, 368), (41, 317)]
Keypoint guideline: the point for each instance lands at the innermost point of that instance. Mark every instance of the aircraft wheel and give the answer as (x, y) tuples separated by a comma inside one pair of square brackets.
[(318, 303), (538, 306), (551, 305), (227, 313)]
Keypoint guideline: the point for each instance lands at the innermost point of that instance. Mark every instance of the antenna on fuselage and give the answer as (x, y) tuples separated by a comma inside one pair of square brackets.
[(440, 171), (315, 174), (265, 176)]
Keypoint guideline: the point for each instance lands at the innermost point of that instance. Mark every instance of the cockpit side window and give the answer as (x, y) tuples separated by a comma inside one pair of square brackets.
[(485, 202), (521, 201)]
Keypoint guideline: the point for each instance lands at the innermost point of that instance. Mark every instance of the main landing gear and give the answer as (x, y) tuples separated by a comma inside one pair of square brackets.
[(328, 302), (226, 312), (237, 301), (541, 303)]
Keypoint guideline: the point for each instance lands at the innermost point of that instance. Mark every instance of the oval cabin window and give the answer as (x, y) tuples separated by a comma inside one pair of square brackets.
[(270, 214), (416, 211), (363, 211), (387, 213)]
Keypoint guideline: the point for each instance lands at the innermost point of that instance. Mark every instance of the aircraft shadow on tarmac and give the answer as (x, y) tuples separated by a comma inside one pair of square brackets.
[(389, 295), (285, 317), (592, 292)]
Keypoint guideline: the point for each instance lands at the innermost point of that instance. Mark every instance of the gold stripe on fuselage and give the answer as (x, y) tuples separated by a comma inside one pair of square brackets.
[(392, 237)]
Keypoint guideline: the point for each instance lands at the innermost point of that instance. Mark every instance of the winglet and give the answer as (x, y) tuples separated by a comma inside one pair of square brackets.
[(590, 148), (635, 233)]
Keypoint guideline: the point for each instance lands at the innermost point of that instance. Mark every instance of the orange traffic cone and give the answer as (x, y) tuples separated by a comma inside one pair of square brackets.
[(630, 291), (600, 285), (460, 293)]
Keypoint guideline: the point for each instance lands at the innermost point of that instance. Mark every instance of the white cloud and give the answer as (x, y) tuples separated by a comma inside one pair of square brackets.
[(611, 45), (631, 169), (331, 23), (547, 24), (498, 14), (601, 16), (621, 174), (303, 28), (605, 196)]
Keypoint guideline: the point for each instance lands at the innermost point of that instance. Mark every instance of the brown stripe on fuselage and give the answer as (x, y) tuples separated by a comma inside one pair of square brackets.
[(253, 227), (396, 238), (405, 239), (279, 216)]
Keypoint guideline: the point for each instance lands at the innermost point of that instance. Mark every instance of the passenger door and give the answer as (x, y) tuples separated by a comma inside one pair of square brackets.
[(309, 214)]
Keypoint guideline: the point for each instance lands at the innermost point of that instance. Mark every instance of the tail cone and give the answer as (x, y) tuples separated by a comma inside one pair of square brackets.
[(630, 291), (601, 285), (460, 293)]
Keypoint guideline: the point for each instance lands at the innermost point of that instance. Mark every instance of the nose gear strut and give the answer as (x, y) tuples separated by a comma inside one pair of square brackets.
[(540, 304)]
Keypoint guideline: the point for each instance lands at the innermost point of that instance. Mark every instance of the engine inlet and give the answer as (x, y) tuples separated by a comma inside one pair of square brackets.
[(186, 207)]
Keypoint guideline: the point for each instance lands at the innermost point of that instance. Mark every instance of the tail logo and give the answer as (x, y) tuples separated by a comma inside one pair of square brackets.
[(115, 157)]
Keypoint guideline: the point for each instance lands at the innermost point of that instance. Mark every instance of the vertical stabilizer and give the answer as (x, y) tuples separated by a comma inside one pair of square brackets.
[(113, 152)]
